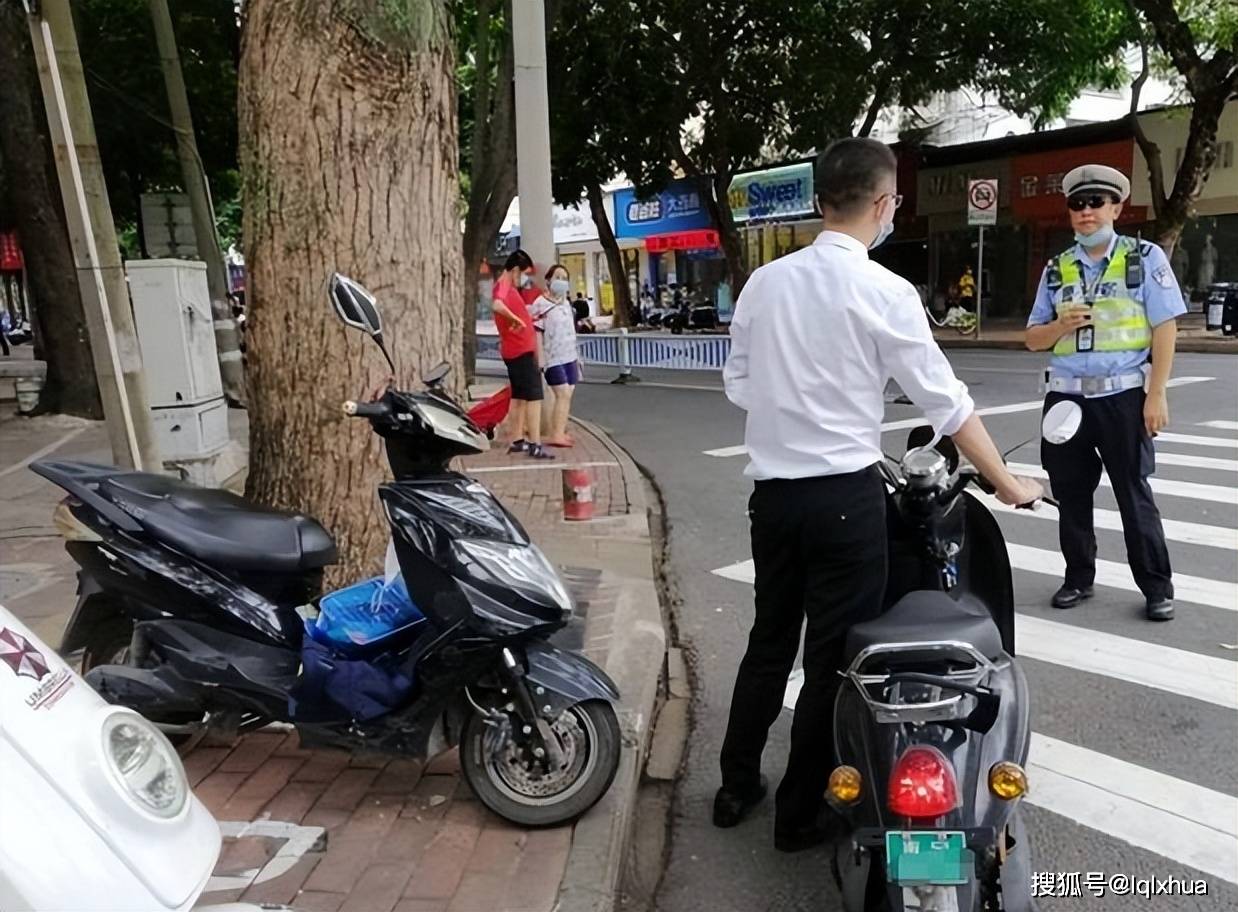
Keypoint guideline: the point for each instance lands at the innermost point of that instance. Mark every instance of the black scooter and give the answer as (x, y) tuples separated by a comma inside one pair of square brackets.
[(932, 722), (194, 603)]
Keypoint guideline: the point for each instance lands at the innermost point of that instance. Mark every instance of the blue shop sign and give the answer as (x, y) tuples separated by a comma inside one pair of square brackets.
[(680, 207), (785, 192)]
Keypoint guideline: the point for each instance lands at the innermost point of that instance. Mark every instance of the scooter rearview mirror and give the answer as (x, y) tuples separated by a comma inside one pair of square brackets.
[(923, 435), (356, 307)]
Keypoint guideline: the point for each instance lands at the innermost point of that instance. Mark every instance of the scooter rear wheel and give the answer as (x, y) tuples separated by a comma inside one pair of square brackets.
[(519, 789)]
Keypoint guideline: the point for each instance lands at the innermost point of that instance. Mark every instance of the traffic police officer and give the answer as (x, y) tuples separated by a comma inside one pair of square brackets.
[(1107, 309)]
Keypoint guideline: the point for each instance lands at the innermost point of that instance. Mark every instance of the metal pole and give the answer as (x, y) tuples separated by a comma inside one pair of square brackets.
[(980, 282), (193, 175), (105, 297), (533, 132)]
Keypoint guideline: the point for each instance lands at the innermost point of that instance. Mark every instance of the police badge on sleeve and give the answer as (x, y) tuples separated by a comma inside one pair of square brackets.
[(1163, 277)]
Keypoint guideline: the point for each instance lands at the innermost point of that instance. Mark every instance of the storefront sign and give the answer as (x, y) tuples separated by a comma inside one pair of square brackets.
[(1037, 178), (702, 239), (679, 207), (942, 191), (776, 192)]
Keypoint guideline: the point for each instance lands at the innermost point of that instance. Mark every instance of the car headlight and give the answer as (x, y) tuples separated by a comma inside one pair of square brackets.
[(145, 764), (522, 567)]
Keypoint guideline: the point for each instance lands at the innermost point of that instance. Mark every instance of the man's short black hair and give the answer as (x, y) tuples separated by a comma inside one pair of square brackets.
[(849, 174), (518, 259)]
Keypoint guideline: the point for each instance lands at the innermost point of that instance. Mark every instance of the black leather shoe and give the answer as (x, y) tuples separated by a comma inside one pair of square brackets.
[(732, 807), (1161, 609), (1069, 596)]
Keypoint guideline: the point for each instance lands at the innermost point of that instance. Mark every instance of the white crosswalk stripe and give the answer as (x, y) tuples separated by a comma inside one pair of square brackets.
[(1220, 425), (1196, 440), (1187, 588), (1215, 493), (1179, 820), (1189, 533), (1196, 462), (1011, 408)]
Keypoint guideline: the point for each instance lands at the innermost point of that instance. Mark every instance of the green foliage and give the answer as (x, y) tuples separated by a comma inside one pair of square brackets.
[(129, 102), (408, 25)]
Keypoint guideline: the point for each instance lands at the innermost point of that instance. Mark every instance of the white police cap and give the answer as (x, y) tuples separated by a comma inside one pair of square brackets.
[(1099, 178)]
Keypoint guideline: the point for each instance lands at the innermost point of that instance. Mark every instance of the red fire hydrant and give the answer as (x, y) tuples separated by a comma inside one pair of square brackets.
[(577, 494)]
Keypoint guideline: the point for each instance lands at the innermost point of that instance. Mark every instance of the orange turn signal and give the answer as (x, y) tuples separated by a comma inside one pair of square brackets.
[(1007, 780), (846, 783)]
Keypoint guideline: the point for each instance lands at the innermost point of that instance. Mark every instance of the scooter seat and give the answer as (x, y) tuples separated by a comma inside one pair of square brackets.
[(925, 617), (219, 528)]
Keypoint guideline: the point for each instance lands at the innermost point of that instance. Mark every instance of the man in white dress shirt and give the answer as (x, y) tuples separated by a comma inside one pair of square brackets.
[(816, 336)]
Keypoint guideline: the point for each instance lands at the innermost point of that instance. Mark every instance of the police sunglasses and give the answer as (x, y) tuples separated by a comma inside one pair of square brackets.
[(1090, 201)]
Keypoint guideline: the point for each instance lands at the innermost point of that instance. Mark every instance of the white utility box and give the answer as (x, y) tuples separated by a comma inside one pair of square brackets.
[(191, 431), (176, 332)]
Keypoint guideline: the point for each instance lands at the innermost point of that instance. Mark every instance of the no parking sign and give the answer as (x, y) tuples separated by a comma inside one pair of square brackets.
[(982, 202)]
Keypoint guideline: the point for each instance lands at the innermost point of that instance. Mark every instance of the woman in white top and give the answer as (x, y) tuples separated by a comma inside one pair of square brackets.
[(560, 362)]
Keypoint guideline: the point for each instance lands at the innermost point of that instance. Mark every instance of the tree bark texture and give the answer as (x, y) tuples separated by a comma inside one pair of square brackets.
[(492, 184), (61, 335), (728, 233), (614, 257), (349, 163)]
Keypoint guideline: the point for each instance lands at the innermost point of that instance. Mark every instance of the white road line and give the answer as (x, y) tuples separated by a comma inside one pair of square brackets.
[(1028, 406), (1166, 486), (1175, 530), (1176, 671), (1193, 440), (533, 466), (1197, 462), (47, 450), (741, 572), (1179, 820), (1220, 425), (1197, 589)]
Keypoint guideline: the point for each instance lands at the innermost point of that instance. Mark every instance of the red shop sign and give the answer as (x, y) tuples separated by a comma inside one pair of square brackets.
[(704, 239)]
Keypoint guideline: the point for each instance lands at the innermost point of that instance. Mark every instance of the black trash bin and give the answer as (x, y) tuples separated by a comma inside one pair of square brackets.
[(1214, 304)]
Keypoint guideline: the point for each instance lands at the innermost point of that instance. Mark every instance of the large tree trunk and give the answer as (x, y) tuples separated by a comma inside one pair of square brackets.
[(492, 183), (1197, 159), (349, 163), (728, 233), (61, 337), (614, 257)]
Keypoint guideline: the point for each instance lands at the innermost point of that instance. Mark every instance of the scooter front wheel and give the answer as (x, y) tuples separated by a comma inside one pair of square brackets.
[(530, 792)]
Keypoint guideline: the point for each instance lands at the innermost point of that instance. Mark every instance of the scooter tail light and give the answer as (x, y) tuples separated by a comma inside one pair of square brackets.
[(922, 784)]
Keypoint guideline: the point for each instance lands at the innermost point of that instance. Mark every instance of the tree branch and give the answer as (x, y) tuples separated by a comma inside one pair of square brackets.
[(878, 102), (1151, 151), (1175, 38)]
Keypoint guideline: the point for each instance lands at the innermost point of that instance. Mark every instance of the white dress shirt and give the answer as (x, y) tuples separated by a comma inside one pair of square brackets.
[(815, 337)]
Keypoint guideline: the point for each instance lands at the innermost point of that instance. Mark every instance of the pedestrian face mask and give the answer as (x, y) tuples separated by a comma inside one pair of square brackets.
[(891, 201), (1061, 422)]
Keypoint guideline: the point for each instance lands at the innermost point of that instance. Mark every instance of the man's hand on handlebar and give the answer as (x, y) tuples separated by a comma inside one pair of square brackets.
[(1020, 492)]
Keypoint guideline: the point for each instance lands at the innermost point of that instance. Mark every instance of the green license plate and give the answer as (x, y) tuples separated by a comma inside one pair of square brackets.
[(939, 857)]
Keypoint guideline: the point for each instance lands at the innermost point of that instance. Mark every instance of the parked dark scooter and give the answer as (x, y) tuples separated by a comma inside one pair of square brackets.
[(194, 604), (932, 721)]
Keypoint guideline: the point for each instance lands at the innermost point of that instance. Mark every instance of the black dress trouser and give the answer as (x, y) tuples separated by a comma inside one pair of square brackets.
[(819, 550), (1111, 434)]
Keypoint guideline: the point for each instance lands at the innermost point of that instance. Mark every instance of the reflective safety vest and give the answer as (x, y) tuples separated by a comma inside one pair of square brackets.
[(1119, 320)]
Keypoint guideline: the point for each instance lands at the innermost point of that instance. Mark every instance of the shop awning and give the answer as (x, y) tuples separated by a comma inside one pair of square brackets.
[(701, 239)]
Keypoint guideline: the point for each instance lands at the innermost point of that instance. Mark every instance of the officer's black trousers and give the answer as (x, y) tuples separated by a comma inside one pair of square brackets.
[(1111, 433), (819, 549)]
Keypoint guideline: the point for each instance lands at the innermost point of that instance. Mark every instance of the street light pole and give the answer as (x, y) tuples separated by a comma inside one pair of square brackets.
[(533, 132), (92, 236)]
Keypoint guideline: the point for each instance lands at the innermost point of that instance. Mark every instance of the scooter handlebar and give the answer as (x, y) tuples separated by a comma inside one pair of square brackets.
[(354, 409)]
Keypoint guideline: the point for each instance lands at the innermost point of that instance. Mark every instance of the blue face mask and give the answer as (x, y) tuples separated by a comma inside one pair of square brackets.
[(560, 286), (1102, 235)]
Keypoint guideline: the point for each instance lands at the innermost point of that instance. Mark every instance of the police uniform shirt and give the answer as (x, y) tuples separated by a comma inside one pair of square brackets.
[(1159, 294), (815, 337)]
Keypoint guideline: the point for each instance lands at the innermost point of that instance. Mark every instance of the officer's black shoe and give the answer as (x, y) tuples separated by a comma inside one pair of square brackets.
[(732, 807), (1160, 609), (1069, 596)]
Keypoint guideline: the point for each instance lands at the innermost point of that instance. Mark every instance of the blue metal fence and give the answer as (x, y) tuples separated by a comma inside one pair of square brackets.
[(661, 350)]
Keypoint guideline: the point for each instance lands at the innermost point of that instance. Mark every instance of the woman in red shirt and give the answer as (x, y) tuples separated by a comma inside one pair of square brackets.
[(518, 348)]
